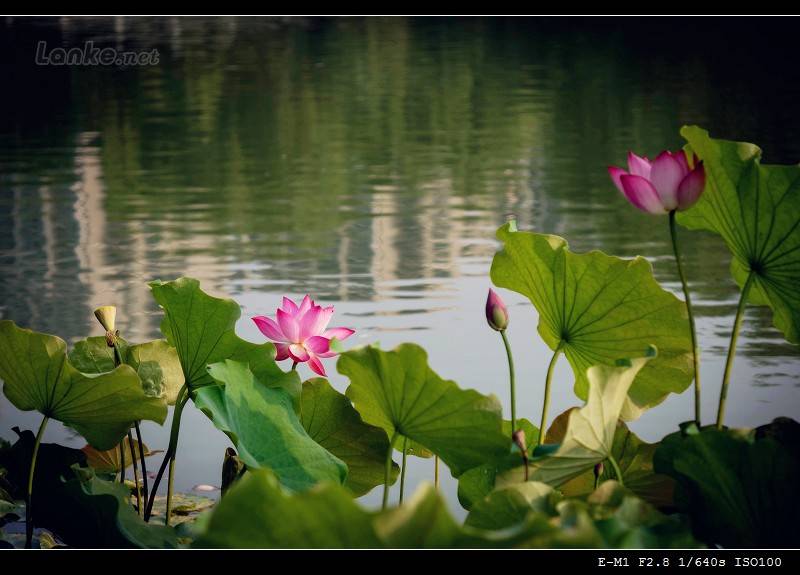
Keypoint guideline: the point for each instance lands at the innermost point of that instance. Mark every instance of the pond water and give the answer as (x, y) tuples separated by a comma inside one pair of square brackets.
[(368, 162)]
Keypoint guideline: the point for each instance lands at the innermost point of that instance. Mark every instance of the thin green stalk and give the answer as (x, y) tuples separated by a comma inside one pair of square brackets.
[(723, 394), (546, 404), (403, 471), (122, 465), (117, 363), (146, 491), (294, 366), (695, 351), (139, 509), (511, 381), (617, 470), (29, 501), (436, 471), (387, 473), (183, 397), (168, 511)]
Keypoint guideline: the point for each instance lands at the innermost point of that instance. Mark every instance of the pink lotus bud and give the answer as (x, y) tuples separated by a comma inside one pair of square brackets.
[(598, 470), (496, 312), (519, 439)]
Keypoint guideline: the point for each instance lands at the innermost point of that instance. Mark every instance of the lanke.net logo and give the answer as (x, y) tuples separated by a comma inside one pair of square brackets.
[(89, 55)]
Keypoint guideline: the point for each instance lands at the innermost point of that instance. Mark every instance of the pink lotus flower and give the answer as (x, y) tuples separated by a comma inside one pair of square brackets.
[(300, 332), (663, 185)]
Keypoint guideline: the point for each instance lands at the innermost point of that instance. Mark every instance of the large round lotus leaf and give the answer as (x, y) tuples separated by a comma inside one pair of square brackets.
[(598, 309), (156, 363), (263, 425), (257, 513), (37, 375), (737, 486), (756, 209), (330, 420), (397, 391), (201, 328)]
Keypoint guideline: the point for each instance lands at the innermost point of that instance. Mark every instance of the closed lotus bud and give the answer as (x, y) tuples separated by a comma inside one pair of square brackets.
[(519, 440), (598, 470), (107, 316), (518, 437), (496, 312), (232, 468)]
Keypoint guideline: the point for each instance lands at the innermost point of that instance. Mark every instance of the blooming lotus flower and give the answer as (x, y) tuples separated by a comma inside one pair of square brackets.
[(663, 185), (496, 312), (301, 333)]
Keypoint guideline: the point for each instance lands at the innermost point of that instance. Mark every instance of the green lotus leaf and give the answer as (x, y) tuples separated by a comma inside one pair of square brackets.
[(107, 518), (38, 376), (756, 209), (510, 506), (478, 482), (611, 517), (635, 459), (80, 508), (625, 521), (263, 425), (598, 309), (257, 513), (737, 486), (156, 363), (52, 463), (330, 420), (412, 448), (92, 355), (589, 438), (398, 392), (425, 522), (201, 328)]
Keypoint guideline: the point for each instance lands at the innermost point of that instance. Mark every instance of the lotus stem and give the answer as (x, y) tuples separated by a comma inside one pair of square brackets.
[(183, 397), (387, 472), (510, 381), (403, 471), (135, 474), (617, 470), (146, 491), (111, 341), (695, 351), (546, 404), (737, 323), (29, 502), (436, 471), (168, 510), (122, 465)]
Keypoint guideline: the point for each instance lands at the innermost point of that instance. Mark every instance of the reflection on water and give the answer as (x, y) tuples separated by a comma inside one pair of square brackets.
[(368, 162)]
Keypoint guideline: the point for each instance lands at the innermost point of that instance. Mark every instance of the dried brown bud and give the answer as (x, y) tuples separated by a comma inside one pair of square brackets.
[(107, 316), (232, 468)]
